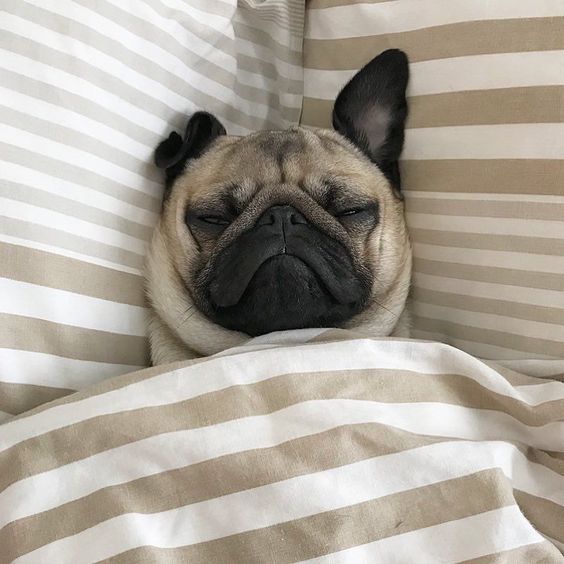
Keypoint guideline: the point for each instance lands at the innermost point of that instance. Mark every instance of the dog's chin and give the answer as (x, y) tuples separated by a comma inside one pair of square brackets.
[(285, 293)]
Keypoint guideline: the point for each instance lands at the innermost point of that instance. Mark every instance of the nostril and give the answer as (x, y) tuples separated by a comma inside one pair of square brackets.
[(297, 218)]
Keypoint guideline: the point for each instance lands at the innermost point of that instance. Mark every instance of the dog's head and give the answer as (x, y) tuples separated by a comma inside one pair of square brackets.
[(287, 229)]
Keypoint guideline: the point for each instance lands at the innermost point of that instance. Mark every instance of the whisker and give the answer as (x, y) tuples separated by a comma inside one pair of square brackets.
[(384, 307)]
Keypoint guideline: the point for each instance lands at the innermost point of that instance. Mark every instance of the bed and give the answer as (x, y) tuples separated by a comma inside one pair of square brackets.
[(314, 445)]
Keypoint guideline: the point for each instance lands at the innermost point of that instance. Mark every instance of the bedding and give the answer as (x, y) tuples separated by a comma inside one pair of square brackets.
[(483, 167), (87, 91), (313, 445)]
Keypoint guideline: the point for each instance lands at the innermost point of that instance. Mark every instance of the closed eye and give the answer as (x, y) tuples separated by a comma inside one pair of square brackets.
[(214, 219), (351, 211)]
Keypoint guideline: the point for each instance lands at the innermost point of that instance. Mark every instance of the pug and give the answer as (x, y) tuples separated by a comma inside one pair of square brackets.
[(283, 230)]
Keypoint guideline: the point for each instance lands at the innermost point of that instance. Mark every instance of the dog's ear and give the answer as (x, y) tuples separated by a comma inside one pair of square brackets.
[(372, 108), (173, 153)]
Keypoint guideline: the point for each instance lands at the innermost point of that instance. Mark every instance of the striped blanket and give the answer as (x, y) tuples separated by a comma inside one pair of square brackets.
[(316, 445)]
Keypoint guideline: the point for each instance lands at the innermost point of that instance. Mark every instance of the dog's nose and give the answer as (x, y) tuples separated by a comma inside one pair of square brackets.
[(281, 216)]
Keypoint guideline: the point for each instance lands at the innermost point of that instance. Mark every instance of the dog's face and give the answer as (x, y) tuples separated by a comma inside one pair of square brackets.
[(289, 229)]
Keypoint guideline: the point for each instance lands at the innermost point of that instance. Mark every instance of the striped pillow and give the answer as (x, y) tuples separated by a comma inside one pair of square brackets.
[(483, 167), (87, 91)]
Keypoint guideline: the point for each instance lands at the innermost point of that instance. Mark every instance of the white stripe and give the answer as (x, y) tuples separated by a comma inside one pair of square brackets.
[(274, 85), (538, 368), (494, 322), (456, 74), (488, 225), (154, 53), (68, 308), (483, 257), (479, 349), (169, 451), (110, 102), (218, 25), (483, 72), (454, 541), (41, 369), (205, 21), (395, 17), (193, 45), (261, 52), (107, 100), (559, 545), (59, 115), (37, 144), (309, 494), (48, 218), (75, 192), (532, 296), (69, 82), (278, 33), (482, 197), (70, 254), (202, 17), (501, 141), (223, 372)]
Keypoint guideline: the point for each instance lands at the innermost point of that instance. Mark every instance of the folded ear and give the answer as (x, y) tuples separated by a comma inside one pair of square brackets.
[(173, 153), (372, 108)]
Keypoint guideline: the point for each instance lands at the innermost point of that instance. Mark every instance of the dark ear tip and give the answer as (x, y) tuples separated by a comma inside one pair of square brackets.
[(167, 149), (200, 118), (393, 58), (397, 54)]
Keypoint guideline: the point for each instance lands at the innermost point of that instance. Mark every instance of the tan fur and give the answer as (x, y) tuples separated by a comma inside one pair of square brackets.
[(270, 168)]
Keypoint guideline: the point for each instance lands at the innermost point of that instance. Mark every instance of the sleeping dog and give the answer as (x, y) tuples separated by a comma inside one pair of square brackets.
[(284, 229)]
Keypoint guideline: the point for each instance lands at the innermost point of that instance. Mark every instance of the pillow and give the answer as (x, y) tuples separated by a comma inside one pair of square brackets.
[(87, 92), (482, 167)]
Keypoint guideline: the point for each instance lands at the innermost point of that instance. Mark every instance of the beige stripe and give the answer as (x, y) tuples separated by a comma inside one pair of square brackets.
[(452, 40), (114, 383), (490, 337), (515, 243), (17, 398), (346, 527), (514, 378), (37, 335), (262, 398), (213, 478), (320, 4), (486, 305), (487, 208), (552, 460), (540, 104), (555, 454), (82, 177), (56, 271), (23, 193), (75, 243), (284, 53), (268, 69), (290, 20), (522, 278), (480, 349), (218, 8), (545, 515), (539, 553), (82, 106), (496, 176), (79, 140), (100, 78)]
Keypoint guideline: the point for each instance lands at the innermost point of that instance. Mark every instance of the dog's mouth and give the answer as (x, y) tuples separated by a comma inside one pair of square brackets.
[(283, 274)]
